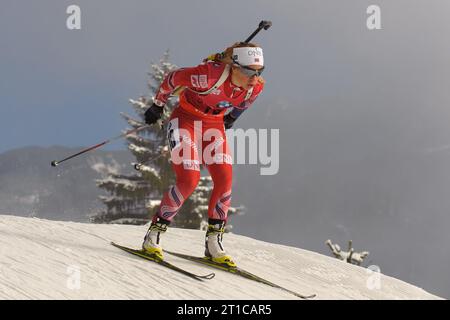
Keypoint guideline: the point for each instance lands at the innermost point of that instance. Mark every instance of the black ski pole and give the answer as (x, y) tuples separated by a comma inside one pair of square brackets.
[(264, 24), (138, 166), (54, 163)]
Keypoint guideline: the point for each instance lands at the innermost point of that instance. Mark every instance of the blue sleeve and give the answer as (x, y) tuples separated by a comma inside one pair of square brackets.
[(236, 112)]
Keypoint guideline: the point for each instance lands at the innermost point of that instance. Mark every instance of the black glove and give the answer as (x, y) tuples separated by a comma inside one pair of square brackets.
[(153, 114), (228, 121)]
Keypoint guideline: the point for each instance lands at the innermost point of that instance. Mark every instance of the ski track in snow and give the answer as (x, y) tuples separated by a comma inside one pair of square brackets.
[(39, 259)]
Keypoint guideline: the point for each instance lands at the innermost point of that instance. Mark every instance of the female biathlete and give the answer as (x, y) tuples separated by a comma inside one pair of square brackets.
[(214, 94)]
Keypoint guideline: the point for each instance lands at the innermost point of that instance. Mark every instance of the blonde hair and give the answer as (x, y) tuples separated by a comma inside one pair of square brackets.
[(226, 56)]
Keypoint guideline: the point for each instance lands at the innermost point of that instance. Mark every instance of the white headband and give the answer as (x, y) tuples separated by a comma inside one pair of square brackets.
[(248, 56)]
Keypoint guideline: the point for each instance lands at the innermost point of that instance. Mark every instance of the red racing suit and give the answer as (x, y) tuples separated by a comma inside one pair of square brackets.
[(196, 135)]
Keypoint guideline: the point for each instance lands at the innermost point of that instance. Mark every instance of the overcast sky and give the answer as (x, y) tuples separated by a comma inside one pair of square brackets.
[(363, 114)]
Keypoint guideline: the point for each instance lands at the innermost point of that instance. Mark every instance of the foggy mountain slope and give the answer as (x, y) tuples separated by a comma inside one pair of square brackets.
[(31, 187), (43, 259)]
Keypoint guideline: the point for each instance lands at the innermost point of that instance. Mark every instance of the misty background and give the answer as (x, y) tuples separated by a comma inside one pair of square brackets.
[(363, 115)]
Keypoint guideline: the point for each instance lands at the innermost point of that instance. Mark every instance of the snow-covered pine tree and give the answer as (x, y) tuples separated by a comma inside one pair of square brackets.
[(135, 198)]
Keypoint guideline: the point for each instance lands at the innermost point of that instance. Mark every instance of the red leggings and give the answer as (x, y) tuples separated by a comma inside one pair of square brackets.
[(194, 141)]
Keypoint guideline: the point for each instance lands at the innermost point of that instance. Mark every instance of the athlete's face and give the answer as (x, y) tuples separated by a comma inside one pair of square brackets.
[(242, 77)]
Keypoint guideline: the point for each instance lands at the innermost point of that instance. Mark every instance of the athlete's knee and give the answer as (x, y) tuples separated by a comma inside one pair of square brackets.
[(222, 175), (187, 186)]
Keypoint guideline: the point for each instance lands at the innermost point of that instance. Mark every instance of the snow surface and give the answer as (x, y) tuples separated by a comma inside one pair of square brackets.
[(43, 259)]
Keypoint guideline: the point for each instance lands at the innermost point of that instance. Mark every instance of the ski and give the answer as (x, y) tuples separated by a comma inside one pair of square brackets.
[(141, 253), (237, 271)]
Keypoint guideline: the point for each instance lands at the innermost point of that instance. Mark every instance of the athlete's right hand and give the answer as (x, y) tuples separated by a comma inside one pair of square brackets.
[(228, 121), (153, 114)]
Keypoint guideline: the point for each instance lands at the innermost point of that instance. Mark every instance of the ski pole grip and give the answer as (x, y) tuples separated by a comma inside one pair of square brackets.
[(264, 24)]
